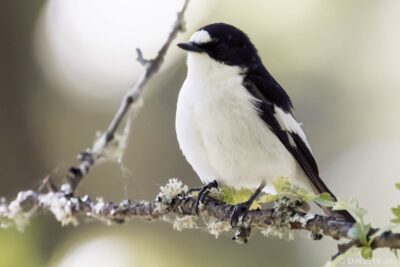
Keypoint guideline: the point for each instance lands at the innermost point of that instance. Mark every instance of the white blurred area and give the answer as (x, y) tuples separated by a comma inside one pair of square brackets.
[(119, 248), (86, 48), (99, 252)]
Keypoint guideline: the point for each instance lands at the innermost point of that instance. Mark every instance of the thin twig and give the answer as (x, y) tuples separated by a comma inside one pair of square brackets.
[(131, 101)]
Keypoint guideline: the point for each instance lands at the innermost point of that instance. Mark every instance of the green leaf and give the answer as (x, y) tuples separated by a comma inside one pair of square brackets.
[(396, 211), (267, 198), (233, 196), (366, 252), (352, 207), (325, 199), (359, 232), (326, 196), (281, 184), (360, 212), (284, 188), (353, 232), (395, 221)]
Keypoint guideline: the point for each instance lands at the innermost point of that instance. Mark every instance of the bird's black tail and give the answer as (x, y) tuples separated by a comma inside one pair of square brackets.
[(345, 215)]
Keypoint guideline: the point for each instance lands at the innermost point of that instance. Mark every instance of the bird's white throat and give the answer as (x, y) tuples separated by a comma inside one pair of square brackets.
[(202, 66)]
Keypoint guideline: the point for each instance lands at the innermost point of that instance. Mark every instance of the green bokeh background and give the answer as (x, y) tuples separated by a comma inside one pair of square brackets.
[(339, 61)]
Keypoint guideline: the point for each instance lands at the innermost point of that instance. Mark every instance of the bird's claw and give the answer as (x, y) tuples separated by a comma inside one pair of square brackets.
[(202, 193), (239, 211)]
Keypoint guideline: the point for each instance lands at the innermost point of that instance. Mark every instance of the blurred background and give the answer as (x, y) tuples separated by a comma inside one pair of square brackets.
[(65, 64)]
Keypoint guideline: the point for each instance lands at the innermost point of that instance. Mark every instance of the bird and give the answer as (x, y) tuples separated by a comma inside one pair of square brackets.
[(235, 123)]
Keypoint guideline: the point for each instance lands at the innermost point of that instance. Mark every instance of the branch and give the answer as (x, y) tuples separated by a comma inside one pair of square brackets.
[(174, 204), (131, 101)]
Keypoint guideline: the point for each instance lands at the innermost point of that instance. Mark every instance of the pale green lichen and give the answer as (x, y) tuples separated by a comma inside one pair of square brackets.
[(278, 232), (172, 189), (17, 213), (303, 219), (60, 206), (216, 227), (185, 222), (98, 209), (18, 216), (113, 150), (284, 188)]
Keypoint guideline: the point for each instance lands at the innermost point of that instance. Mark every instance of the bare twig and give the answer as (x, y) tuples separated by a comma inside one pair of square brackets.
[(131, 101)]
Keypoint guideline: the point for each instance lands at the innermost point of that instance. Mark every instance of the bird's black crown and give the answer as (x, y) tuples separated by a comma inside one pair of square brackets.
[(229, 45)]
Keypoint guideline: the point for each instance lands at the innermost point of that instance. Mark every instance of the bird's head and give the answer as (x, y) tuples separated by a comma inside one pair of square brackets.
[(223, 43)]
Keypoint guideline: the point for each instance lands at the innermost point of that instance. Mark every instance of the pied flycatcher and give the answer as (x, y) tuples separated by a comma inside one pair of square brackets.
[(235, 123)]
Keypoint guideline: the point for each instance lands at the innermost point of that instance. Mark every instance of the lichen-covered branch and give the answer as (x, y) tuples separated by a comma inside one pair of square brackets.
[(132, 101), (176, 205)]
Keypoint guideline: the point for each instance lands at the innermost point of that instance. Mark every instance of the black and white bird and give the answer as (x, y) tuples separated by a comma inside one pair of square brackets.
[(235, 123)]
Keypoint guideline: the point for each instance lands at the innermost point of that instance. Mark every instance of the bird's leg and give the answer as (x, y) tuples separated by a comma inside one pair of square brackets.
[(202, 193), (241, 209), (196, 189)]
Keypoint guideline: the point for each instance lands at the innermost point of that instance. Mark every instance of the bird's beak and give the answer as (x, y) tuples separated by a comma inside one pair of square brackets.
[(191, 47)]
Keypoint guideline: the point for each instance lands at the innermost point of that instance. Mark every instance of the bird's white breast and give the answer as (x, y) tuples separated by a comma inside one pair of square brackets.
[(220, 132)]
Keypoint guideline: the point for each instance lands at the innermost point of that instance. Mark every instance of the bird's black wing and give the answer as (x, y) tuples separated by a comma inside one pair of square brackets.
[(272, 97), (275, 107)]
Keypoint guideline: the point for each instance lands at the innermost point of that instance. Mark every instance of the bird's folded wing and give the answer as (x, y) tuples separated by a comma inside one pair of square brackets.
[(276, 110)]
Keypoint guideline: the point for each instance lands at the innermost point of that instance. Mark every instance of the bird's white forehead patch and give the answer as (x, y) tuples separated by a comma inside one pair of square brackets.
[(200, 37)]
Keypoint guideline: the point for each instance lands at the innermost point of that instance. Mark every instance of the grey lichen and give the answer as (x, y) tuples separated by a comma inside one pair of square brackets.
[(172, 189), (302, 219), (185, 222), (216, 227), (285, 208), (19, 211), (61, 207), (278, 232), (113, 150)]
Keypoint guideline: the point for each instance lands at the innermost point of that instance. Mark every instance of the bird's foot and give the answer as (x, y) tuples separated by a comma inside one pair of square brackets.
[(202, 193), (240, 210)]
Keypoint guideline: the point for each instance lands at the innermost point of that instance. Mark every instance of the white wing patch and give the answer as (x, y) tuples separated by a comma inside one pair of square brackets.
[(289, 124), (200, 37)]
